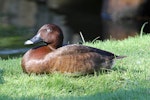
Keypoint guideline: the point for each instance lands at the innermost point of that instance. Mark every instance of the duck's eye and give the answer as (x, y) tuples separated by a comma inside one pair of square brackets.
[(48, 30)]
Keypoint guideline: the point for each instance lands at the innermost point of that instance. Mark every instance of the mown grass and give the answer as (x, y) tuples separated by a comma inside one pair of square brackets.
[(128, 80)]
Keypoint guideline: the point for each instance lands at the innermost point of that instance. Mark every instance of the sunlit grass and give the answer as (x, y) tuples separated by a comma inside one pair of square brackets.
[(128, 80)]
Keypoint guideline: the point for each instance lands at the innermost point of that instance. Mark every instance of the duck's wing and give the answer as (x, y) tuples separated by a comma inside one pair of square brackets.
[(79, 58), (78, 49), (106, 53)]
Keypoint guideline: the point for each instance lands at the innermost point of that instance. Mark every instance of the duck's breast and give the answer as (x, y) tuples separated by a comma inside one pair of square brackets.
[(34, 58), (38, 53)]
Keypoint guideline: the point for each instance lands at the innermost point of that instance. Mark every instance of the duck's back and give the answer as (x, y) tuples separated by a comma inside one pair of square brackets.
[(80, 49)]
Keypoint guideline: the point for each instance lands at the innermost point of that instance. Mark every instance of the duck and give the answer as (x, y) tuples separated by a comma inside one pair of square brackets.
[(52, 56)]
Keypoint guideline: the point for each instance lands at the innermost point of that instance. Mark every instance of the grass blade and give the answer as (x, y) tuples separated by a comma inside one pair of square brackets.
[(142, 28)]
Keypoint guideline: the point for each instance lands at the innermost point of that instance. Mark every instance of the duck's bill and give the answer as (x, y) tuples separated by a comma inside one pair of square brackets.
[(28, 42), (35, 39)]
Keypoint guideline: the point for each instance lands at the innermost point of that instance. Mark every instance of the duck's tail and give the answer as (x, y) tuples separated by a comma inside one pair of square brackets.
[(120, 57)]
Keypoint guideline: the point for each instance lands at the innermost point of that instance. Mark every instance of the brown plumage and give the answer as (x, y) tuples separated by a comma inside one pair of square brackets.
[(53, 57)]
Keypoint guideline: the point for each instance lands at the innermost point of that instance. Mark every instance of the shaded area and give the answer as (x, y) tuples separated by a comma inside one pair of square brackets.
[(12, 40), (97, 18), (103, 18), (13, 37), (132, 94), (1, 77)]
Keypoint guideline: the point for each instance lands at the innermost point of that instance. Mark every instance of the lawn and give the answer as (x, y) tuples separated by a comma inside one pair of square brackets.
[(129, 79)]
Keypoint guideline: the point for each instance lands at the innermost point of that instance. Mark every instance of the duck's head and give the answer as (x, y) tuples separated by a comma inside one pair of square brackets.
[(50, 34)]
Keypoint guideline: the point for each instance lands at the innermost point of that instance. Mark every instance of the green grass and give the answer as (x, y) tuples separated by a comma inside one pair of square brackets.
[(128, 80)]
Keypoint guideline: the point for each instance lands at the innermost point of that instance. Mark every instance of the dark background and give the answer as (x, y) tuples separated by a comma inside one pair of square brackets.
[(106, 19)]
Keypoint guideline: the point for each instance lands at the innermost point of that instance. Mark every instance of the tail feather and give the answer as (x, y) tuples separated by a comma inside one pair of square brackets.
[(120, 57)]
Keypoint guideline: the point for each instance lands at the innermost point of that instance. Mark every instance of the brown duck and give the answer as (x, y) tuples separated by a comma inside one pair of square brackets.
[(53, 57)]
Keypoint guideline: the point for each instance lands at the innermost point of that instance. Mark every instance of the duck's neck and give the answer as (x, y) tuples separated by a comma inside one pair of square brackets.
[(54, 46), (51, 47)]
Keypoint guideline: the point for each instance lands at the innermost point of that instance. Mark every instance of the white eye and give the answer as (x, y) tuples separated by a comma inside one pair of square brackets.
[(49, 30)]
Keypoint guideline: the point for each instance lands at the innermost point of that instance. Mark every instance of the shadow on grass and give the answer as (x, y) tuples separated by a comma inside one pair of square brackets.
[(122, 70), (1, 77), (133, 94)]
